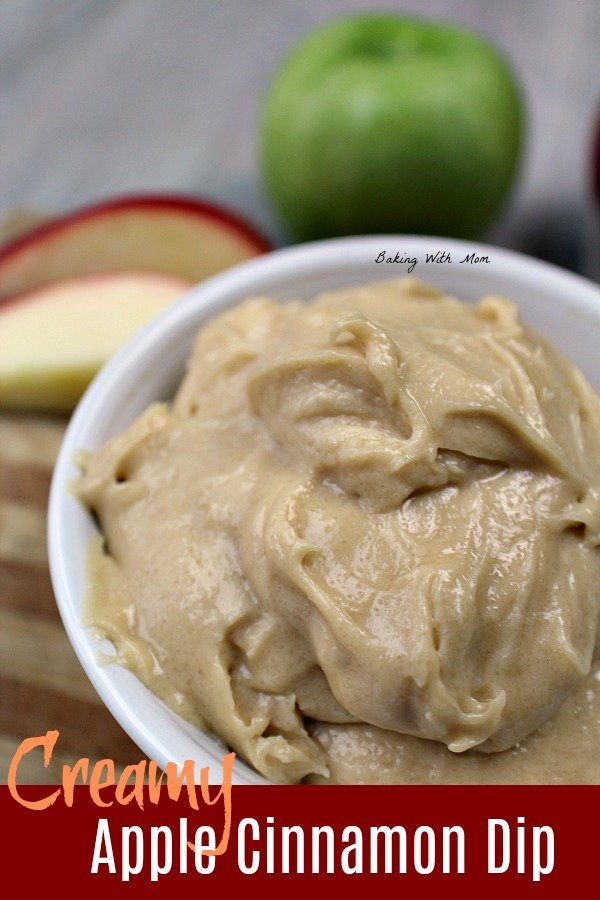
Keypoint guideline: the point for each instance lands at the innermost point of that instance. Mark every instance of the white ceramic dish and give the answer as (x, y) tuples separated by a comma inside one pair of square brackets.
[(562, 306)]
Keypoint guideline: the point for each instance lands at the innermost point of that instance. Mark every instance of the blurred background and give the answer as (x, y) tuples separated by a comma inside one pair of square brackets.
[(121, 95), (112, 96)]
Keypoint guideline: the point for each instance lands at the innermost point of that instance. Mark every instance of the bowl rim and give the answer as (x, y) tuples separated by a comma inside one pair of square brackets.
[(193, 308)]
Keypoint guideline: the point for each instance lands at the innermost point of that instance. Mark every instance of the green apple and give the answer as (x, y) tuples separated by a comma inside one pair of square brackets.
[(385, 123)]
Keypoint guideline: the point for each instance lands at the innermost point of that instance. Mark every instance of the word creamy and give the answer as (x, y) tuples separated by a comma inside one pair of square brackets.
[(136, 781)]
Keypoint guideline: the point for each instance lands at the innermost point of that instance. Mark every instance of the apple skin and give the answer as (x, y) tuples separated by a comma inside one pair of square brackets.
[(177, 235), (391, 124)]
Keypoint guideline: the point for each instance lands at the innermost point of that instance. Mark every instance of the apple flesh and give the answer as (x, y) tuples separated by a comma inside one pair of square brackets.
[(179, 236), (54, 339)]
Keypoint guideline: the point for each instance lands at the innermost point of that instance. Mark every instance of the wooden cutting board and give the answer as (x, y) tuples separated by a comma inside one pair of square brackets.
[(42, 685)]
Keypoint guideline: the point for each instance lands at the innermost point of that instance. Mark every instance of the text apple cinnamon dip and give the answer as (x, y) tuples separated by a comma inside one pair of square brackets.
[(362, 544)]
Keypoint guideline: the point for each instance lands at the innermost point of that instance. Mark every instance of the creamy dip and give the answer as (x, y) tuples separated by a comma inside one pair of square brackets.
[(362, 543)]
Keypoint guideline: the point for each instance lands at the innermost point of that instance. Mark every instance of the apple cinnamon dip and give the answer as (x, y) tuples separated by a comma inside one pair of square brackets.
[(362, 543)]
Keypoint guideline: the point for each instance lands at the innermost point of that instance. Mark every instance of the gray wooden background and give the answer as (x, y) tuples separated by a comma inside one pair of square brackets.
[(104, 96)]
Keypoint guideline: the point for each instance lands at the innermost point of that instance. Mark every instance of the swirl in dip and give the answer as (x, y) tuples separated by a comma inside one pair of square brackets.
[(362, 543)]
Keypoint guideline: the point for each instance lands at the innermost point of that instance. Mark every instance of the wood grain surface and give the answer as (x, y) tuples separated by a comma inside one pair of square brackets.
[(42, 685)]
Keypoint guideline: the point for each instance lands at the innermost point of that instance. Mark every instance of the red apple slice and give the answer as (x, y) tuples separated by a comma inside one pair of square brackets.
[(54, 339), (176, 235)]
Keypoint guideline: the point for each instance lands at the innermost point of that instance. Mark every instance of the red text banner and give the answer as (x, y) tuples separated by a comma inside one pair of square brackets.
[(493, 839)]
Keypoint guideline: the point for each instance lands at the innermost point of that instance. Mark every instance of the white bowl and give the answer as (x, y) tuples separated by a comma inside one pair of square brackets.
[(562, 306)]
